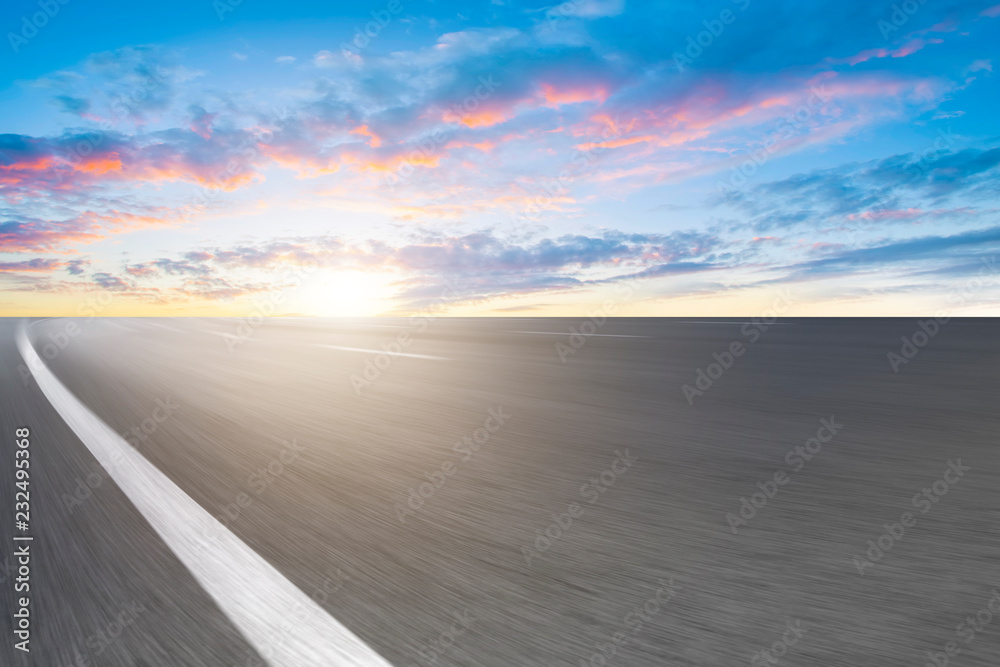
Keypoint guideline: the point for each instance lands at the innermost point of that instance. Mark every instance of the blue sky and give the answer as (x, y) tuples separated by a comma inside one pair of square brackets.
[(197, 157)]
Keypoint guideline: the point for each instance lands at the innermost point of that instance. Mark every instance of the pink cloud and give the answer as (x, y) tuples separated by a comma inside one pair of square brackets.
[(33, 165), (480, 118), (373, 139), (553, 97), (907, 49)]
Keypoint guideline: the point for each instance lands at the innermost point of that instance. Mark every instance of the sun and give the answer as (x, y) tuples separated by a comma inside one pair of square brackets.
[(344, 294)]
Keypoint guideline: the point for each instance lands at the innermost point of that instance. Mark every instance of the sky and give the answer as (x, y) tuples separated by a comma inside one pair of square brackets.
[(499, 158)]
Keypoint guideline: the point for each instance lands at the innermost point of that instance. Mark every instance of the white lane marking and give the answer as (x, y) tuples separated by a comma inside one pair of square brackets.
[(284, 625), (164, 326), (231, 337), (115, 322), (567, 333), (391, 354)]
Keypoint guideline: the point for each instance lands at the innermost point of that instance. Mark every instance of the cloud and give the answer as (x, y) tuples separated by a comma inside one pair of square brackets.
[(475, 87), (201, 121), (221, 159), (111, 283), (22, 234), (561, 117), (76, 266), (909, 48), (915, 252), (486, 264), (485, 253), (858, 188), (220, 289), (325, 58), (169, 267), (588, 9), (136, 83), (37, 265), (77, 106)]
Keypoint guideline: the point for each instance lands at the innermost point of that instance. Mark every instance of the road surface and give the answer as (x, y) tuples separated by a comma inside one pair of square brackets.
[(498, 492)]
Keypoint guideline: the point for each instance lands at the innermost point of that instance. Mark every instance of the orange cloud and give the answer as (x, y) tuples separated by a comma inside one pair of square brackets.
[(304, 167), (775, 101), (616, 143), (374, 140), (555, 98), (484, 118), (485, 146), (101, 165), (416, 159)]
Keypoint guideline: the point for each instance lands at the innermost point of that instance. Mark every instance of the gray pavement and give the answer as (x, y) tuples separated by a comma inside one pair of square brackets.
[(428, 506)]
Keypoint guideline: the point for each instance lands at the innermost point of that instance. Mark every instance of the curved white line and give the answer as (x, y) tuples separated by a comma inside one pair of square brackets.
[(284, 625)]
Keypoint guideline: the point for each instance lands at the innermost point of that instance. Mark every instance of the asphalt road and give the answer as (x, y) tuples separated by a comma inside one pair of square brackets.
[(503, 493)]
